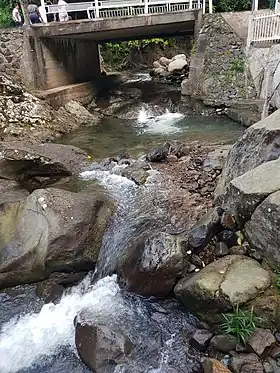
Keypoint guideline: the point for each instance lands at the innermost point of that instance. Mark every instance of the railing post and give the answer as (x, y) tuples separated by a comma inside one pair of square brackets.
[(203, 6), (210, 6), (190, 4), (96, 9), (146, 7)]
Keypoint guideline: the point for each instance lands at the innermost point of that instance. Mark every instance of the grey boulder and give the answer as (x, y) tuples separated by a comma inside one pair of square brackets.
[(259, 144), (51, 230), (152, 264), (229, 281), (262, 230)]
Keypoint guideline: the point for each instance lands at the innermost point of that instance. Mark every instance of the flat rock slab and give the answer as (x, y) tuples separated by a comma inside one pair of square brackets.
[(245, 192), (260, 340), (262, 231), (18, 158), (229, 281)]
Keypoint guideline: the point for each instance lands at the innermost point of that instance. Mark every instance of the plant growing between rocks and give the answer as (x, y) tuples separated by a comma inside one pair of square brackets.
[(240, 323)]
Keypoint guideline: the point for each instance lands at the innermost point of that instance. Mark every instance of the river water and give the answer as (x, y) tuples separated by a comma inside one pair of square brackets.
[(37, 338)]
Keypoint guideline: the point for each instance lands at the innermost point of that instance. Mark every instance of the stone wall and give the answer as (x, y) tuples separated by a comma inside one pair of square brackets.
[(11, 48), (218, 69)]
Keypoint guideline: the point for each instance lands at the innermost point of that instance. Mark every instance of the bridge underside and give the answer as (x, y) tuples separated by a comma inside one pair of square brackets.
[(58, 54)]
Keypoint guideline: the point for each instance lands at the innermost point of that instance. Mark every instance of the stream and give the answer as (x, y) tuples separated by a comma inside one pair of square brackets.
[(39, 338)]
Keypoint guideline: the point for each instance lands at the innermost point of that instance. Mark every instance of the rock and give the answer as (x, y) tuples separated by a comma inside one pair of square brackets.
[(159, 70), (227, 220), (186, 87), (268, 308), (11, 191), (49, 291), (228, 237), (164, 61), (223, 284), (177, 65), (136, 172), (51, 230), (260, 340), (271, 366), (221, 249), (224, 343), (179, 57), (215, 160), (25, 161), (171, 158), (262, 230), (156, 64), (159, 154), (245, 363), (152, 264), (238, 250), (275, 352), (25, 116), (245, 192), (259, 144), (200, 339), (214, 366), (194, 259), (75, 109), (101, 347), (277, 335), (204, 230)]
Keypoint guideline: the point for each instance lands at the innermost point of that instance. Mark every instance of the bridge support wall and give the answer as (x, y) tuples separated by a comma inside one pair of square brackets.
[(52, 63)]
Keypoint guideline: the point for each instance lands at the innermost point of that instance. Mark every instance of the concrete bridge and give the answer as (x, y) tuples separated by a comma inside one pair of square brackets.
[(65, 53)]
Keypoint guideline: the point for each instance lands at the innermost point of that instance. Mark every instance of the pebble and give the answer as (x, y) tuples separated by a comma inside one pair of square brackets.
[(201, 339)]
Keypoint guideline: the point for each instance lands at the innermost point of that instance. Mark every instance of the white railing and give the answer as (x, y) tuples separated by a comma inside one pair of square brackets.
[(264, 28), (118, 8)]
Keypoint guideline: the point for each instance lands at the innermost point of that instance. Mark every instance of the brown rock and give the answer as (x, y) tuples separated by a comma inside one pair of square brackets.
[(171, 158), (223, 342), (214, 366), (200, 339), (227, 220), (246, 363), (275, 352), (260, 340)]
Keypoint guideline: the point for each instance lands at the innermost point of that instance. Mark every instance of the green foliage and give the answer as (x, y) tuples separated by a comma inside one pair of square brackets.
[(277, 278), (6, 7), (240, 323), (117, 52), (233, 6), (237, 65)]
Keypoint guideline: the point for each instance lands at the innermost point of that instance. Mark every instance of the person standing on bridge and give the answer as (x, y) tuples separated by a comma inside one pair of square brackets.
[(62, 14), (33, 13), (16, 16)]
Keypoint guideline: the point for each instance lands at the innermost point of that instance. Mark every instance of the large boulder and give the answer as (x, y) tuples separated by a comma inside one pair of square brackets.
[(245, 192), (11, 191), (159, 154), (260, 143), (177, 65), (51, 230), (40, 164), (101, 347), (204, 230), (152, 265), (229, 281), (262, 230)]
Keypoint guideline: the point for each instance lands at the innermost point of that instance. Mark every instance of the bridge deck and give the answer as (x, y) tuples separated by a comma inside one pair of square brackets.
[(119, 28)]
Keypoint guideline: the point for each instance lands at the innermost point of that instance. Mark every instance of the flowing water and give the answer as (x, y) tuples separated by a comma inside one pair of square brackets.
[(37, 338), (147, 125)]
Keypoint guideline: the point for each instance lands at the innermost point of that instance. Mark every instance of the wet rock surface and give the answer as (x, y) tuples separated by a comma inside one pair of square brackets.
[(51, 230), (152, 265)]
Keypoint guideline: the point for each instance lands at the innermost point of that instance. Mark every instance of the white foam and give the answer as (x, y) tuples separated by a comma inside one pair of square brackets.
[(26, 340), (113, 182), (158, 124)]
